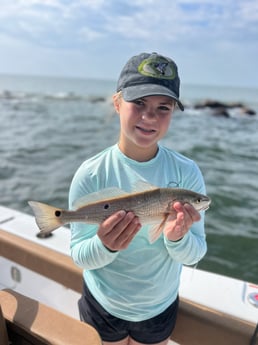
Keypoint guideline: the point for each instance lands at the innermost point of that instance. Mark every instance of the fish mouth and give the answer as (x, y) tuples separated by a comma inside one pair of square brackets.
[(205, 208), (202, 208)]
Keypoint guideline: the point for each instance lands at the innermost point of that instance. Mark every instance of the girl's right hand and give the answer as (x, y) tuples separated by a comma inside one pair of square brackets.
[(118, 230)]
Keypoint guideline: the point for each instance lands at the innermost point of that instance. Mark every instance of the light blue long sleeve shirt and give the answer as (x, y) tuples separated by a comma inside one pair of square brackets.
[(141, 281)]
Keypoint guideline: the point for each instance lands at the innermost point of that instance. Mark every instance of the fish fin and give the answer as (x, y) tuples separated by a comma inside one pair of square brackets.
[(142, 186), (45, 216), (112, 192), (156, 231), (107, 193)]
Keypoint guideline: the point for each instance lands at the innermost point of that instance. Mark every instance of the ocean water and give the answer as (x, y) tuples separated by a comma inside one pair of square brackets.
[(50, 125)]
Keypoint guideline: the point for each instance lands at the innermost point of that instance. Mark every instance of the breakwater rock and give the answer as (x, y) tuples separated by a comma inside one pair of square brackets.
[(222, 109)]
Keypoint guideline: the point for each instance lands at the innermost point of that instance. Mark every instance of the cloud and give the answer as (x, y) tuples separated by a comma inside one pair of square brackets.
[(164, 20), (204, 30), (89, 35)]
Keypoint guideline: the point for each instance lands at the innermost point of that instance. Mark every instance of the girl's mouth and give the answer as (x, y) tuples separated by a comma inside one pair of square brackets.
[(145, 130)]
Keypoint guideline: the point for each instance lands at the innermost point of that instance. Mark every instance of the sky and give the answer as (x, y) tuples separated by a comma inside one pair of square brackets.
[(214, 42)]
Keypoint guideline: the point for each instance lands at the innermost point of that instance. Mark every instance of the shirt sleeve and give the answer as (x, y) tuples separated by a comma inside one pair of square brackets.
[(87, 250), (192, 247), (89, 253)]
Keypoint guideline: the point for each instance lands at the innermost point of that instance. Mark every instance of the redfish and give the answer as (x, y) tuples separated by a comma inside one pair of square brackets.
[(151, 204)]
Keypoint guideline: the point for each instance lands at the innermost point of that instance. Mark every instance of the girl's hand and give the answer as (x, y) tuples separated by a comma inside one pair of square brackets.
[(118, 230), (176, 228)]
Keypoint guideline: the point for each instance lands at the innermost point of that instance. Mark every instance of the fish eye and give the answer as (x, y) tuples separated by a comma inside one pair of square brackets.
[(198, 200), (106, 206)]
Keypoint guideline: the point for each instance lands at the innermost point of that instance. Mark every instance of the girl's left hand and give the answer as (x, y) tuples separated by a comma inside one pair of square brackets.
[(176, 228)]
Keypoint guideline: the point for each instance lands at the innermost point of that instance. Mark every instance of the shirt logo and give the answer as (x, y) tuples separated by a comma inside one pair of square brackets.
[(157, 67)]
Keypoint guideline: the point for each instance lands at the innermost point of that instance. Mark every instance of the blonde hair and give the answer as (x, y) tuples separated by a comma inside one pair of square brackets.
[(117, 96)]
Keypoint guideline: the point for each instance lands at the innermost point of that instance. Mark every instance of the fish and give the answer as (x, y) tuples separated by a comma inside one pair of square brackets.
[(150, 203)]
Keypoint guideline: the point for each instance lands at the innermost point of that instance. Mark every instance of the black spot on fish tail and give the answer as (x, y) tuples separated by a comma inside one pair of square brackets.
[(57, 213)]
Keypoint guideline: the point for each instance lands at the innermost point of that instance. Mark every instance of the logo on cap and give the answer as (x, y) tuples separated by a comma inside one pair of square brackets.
[(157, 67)]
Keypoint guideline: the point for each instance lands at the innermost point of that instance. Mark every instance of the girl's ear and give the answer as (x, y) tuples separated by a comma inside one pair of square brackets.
[(116, 102)]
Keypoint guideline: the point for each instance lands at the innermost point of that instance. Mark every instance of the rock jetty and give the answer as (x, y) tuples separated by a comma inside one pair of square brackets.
[(222, 109)]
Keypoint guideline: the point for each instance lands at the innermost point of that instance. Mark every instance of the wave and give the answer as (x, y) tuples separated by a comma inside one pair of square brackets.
[(59, 96)]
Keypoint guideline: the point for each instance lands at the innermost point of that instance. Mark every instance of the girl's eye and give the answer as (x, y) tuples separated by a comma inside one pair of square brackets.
[(138, 102), (163, 107)]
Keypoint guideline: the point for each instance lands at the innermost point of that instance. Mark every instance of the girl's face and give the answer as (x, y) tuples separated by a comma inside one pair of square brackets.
[(143, 123)]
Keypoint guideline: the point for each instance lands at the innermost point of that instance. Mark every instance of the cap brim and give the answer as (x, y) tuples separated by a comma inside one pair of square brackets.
[(138, 91)]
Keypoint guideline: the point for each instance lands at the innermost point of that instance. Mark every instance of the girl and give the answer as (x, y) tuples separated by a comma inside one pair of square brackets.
[(130, 292)]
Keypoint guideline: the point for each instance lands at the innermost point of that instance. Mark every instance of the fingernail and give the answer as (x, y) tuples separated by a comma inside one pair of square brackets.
[(130, 215)]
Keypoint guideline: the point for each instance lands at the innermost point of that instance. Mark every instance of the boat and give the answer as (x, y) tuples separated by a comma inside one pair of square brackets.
[(40, 287)]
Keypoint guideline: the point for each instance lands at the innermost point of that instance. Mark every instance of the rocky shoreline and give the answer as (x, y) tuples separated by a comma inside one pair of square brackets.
[(222, 109)]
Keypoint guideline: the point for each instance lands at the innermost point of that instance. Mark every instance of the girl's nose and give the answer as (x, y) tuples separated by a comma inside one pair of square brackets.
[(148, 115)]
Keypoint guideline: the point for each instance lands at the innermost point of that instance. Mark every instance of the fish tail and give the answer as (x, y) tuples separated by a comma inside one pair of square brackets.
[(47, 217)]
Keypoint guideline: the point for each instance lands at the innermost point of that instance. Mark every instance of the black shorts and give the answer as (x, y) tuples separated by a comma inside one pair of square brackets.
[(111, 328)]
